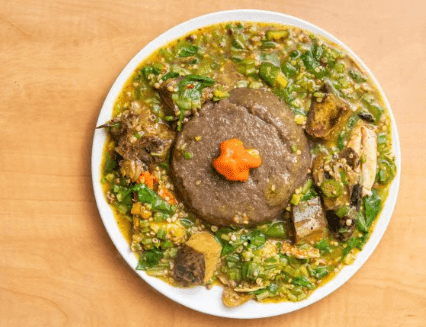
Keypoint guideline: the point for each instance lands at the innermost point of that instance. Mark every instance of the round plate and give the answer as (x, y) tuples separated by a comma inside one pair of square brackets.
[(199, 298)]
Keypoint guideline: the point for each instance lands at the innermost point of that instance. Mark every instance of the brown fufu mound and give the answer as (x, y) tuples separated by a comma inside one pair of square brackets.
[(262, 122)]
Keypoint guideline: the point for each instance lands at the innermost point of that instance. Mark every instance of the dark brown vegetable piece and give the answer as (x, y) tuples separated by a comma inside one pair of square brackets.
[(327, 117), (339, 225), (196, 260), (368, 117), (189, 266)]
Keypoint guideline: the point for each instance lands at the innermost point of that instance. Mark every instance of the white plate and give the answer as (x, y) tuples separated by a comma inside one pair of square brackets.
[(199, 298)]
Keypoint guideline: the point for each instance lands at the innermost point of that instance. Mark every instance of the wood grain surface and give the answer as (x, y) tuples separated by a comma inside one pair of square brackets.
[(58, 60)]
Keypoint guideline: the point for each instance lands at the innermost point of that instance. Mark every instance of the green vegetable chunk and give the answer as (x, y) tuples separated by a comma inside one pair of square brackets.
[(146, 195), (331, 188)]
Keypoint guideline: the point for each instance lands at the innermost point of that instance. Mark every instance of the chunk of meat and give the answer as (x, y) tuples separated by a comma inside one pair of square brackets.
[(196, 261), (309, 221), (341, 210), (327, 117), (138, 139), (166, 91), (132, 169), (342, 227)]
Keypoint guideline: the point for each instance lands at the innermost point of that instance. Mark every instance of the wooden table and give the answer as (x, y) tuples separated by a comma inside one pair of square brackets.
[(58, 60)]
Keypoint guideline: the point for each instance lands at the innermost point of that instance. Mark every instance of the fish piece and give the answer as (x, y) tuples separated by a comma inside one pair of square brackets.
[(369, 164), (309, 221), (354, 142), (234, 299)]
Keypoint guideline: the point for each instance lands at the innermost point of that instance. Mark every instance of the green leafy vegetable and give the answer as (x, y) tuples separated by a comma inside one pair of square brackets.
[(187, 51), (276, 230), (302, 281), (269, 72), (148, 70), (109, 164), (312, 64), (323, 246), (149, 259), (169, 75), (357, 76), (320, 272), (146, 195), (189, 93), (354, 242), (372, 205)]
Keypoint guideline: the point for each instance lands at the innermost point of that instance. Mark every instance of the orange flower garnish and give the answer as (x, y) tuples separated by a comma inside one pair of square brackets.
[(234, 162)]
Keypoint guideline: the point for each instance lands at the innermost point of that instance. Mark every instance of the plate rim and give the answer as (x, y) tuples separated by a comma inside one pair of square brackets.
[(192, 297)]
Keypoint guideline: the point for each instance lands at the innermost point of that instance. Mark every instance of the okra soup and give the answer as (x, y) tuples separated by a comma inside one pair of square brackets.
[(252, 156)]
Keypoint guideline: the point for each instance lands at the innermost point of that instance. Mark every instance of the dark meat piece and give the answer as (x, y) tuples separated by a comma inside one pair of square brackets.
[(342, 227), (356, 196), (368, 117), (351, 157), (150, 150), (118, 126), (189, 266), (166, 91), (138, 139), (328, 117), (196, 261)]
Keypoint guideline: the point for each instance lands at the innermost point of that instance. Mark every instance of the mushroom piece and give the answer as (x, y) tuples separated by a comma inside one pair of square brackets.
[(197, 259)]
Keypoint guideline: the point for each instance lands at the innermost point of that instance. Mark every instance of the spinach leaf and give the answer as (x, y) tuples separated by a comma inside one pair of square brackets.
[(302, 281), (357, 76), (148, 70), (189, 93), (354, 242), (361, 223), (169, 75), (320, 272), (312, 65), (238, 42), (187, 51), (146, 195), (109, 164), (149, 259), (323, 246), (372, 205)]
